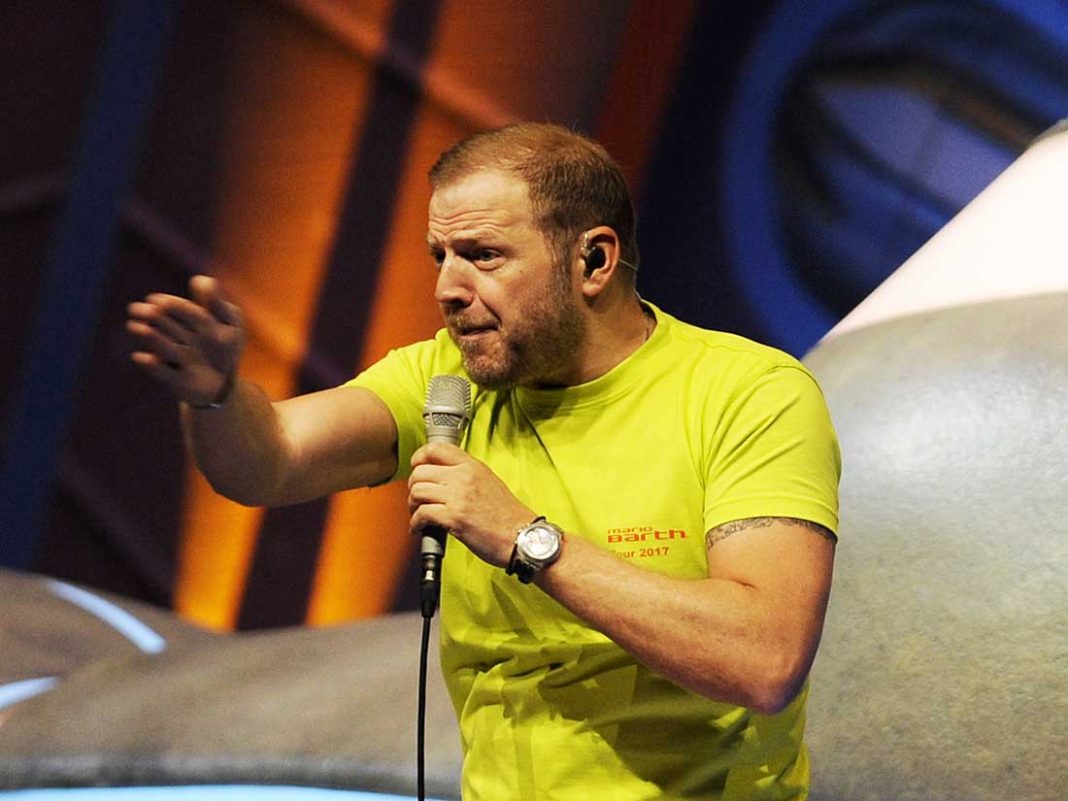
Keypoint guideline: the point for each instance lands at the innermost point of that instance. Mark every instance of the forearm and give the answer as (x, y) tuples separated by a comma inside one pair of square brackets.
[(717, 637), (239, 447)]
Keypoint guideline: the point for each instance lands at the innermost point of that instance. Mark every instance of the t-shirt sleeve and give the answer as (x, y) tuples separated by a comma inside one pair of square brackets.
[(400, 380), (774, 453)]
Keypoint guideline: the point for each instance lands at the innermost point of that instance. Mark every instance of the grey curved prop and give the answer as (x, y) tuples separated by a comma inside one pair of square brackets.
[(327, 707), (942, 669)]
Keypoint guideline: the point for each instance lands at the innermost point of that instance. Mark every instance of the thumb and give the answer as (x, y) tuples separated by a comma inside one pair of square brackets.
[(208, 292)]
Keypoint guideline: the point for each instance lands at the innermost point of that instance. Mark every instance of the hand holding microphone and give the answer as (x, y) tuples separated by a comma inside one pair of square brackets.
[(449, 490)]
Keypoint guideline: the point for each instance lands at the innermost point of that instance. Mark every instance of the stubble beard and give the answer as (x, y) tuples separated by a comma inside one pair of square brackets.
[(538, 349)]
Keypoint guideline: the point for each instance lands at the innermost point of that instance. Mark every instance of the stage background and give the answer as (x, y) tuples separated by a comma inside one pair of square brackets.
[(785, 157)]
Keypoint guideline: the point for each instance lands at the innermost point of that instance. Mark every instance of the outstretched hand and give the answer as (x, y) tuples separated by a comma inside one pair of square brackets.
[(452, 489), (192, 345)]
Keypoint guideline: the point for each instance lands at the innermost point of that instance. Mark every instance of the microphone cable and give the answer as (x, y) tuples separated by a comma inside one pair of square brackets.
[(420, 737)]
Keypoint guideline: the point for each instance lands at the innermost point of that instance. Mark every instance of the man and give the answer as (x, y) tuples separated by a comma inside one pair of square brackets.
[(664, 496)]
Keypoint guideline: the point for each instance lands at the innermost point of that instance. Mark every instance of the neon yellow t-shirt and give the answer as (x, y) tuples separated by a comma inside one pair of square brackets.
[(693, 430)]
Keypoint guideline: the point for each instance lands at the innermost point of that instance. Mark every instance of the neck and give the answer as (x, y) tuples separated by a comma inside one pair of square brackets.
[(613, 332)]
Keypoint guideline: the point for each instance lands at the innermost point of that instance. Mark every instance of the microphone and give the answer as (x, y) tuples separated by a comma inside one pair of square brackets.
[(446, 414)]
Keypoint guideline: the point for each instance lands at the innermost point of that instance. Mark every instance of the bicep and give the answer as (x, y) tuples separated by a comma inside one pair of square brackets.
[(337, 439), (787, 562)]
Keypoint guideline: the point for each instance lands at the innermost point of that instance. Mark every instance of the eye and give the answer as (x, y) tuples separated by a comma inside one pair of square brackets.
[(438, 256), (484, 256)]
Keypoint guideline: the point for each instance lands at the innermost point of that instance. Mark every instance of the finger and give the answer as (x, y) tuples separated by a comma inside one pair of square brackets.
[(429, 514), (183, 311), (150, 363), (153, 304), (435, 473), (151, 331), (208, 292), (440, 453), (171, 328), (152, 340), (158, 317), (140, 310), (423, 492)]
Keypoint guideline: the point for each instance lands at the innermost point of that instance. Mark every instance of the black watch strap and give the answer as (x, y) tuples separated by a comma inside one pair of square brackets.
[(524, 571)]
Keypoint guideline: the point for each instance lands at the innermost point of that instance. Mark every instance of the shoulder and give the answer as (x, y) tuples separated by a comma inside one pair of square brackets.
[(727, 360)]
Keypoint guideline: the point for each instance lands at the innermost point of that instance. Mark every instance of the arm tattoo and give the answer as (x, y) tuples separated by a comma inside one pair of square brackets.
[(724, 531)]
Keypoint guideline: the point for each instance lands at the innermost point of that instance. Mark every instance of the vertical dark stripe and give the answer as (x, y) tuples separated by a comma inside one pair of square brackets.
[(287, 550), (678, 198), (76, 270)]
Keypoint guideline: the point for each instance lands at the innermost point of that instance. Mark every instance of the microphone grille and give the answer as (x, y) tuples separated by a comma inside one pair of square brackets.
[(448, 401)]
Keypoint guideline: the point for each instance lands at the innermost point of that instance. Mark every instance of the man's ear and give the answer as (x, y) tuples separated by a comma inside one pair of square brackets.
[(599, 257)]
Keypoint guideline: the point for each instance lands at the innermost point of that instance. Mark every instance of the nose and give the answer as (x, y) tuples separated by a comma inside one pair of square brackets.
[(453, 287)]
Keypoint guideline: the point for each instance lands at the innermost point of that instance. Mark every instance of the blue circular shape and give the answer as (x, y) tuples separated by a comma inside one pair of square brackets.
[(747, 181)]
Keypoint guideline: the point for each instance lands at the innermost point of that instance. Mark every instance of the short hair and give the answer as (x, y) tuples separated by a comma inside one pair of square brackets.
[(574, 184)]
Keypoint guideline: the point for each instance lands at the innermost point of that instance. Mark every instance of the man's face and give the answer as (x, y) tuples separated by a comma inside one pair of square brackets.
[(508, 307)]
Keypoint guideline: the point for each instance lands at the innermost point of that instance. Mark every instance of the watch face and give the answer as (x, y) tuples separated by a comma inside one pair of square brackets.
[(540, 542)]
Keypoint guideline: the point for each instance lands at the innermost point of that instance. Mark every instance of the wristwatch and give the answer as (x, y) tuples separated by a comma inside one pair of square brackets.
[(537, 545)]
